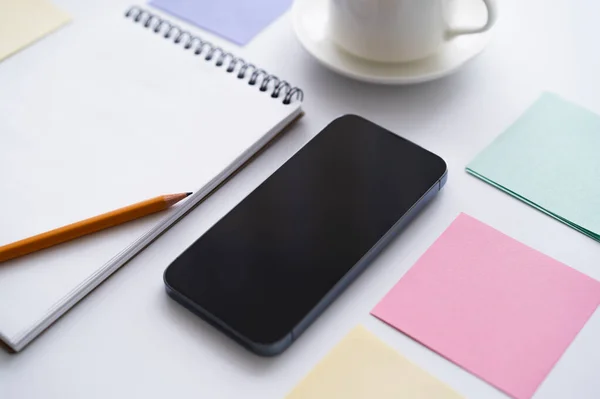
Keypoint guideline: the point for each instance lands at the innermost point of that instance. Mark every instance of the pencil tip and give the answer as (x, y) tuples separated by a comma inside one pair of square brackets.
[(188, 194)]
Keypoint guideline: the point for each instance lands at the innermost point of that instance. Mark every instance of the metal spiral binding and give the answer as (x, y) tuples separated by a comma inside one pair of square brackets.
[(211, 52)]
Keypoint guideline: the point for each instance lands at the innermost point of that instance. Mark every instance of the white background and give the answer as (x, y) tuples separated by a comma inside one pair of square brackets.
[(128, 339)]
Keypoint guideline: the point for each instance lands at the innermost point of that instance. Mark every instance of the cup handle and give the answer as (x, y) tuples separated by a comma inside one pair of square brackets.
[(492, 16)]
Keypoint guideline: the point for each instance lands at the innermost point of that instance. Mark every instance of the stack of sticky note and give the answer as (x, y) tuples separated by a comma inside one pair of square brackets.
[(236, 20), (23, 22), (363, 367), (550, 159), (501, 310)]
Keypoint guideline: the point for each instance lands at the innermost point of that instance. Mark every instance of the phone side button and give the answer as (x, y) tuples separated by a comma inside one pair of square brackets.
[(443, 180)]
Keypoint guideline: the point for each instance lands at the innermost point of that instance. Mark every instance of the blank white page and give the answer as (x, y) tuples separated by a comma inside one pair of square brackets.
[(96, 117)]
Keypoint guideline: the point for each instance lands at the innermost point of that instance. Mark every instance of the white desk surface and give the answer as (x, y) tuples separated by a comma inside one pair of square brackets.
[(128, 339)]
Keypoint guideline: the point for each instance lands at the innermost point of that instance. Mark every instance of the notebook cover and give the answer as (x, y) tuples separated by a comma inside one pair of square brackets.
[(116, 114)]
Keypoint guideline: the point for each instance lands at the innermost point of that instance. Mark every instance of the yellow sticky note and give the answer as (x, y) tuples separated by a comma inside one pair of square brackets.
[(22, 22), (363, 367)]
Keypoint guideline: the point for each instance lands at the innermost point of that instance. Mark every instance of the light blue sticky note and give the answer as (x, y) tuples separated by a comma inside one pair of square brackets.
[(235, 20), (550, 159)]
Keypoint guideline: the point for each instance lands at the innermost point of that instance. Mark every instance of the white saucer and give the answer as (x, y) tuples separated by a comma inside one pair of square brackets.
[(310, 18)]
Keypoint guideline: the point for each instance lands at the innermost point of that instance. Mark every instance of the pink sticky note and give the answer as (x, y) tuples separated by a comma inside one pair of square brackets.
[(499, 309)]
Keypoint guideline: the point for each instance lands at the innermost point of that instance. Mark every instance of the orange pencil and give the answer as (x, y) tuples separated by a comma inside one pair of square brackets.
[(88, 226)]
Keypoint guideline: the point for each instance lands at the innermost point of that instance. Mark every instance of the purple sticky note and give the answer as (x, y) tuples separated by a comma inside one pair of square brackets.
[(235, 20)]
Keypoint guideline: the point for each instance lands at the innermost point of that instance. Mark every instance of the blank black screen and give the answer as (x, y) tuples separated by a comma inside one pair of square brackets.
[(268, 262)]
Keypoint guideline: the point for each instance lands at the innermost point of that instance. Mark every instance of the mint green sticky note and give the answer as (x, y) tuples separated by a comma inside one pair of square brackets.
[(550, 159)]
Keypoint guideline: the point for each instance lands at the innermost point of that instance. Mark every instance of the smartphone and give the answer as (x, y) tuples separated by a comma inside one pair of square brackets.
[(265, 271)]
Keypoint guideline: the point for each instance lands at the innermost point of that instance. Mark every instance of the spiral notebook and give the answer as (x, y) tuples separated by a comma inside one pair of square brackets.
[(105, 113)]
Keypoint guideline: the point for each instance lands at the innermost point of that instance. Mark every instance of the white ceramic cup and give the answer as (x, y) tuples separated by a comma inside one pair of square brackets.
[(397, 30)]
